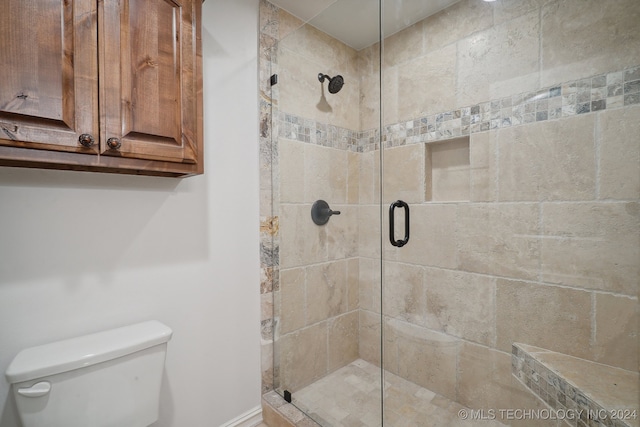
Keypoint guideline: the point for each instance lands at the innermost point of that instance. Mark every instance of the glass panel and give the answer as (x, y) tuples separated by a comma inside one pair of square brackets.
[(326, 323), (511, 129)]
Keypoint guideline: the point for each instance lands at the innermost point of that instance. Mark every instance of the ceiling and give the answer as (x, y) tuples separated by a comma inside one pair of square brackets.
[(355, 22)]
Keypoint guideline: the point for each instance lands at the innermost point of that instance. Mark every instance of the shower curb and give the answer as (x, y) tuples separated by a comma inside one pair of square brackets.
[(277, 412)]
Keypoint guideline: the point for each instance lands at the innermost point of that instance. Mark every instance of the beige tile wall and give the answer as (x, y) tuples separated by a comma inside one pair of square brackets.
[(304, 54), (319, 290), (587, 37), (551, 225), (540, 246)]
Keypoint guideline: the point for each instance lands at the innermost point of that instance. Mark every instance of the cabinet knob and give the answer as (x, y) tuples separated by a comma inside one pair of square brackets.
[(114, 143), (86, 140)]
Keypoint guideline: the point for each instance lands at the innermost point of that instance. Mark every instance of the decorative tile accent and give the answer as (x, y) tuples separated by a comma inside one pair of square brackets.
[(310, 131), (591, 94), (561, 395)]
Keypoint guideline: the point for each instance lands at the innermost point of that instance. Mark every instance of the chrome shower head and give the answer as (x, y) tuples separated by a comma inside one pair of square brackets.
[(335, 83)]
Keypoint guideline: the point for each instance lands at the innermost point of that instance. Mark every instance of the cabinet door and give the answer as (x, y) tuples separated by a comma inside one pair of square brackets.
[(48, 74), (148, 79)]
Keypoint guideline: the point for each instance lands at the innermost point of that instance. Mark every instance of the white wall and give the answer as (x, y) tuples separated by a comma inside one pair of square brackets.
[(82, 252)]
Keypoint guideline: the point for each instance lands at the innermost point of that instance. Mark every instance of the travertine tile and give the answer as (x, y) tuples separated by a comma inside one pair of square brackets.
[(432, 239), (318, 47), (391, 100), (370, 284), (343, 340), (301, 241), (619, 154), (291, 164), (291, 238), (326, 291), (427, 357), (369, 60), (404, 45), (268, 18), (484, 377), (266, 366), (390, 345), (500, 240), (500, 61), (461, 304), (369, 107), (456, 22), (548, 161), (483, 167), (403, 292), (369, 231), (353, 178), (273, 418), (510, 9), (433, 77), (353, 284), (341, 232), (554, 318), (292, 296), (302, 356), (325, 174), (404, 173), (369, 337), (592, 245), (353, 396), (301, 93), (522, 398), (369, 177), (287, 23), (266, 306), (267, 193), (616, 337), (579, 40)]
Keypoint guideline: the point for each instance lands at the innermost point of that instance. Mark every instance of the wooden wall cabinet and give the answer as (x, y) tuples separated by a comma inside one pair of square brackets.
[(102, 85)]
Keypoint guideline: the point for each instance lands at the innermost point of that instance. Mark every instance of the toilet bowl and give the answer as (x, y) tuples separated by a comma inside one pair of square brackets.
[(107, 379)]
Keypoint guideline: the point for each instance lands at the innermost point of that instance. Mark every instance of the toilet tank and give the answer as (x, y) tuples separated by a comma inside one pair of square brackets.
[(107, 379)]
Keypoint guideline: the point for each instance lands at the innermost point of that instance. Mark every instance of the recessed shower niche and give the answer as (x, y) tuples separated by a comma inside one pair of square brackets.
[(444, 165), (448, 170)]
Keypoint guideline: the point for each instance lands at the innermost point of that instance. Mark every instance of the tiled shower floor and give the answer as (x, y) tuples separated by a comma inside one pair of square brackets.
[(350, 397)]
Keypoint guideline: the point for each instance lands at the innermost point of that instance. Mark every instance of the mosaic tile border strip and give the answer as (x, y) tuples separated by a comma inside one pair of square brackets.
[(557, 392), (310, 131), (601, 92)]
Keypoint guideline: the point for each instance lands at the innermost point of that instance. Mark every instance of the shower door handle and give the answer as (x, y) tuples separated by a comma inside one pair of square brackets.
[(392, 237)]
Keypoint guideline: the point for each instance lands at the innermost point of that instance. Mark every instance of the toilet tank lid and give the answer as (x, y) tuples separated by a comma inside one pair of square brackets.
[(87, 350)]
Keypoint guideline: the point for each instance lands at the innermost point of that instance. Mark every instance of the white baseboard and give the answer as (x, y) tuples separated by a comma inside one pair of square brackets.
[(250, 418)]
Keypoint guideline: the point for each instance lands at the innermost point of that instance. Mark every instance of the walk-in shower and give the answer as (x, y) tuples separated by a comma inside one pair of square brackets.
[(485, 161)]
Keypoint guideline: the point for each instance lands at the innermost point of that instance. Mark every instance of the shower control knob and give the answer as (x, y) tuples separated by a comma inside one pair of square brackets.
[(321, 212)]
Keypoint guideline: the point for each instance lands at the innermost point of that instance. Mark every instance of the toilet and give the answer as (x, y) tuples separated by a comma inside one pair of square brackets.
[(106, 379)]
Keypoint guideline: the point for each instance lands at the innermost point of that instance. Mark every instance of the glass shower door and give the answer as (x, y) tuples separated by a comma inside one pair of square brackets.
[(510, 129)]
